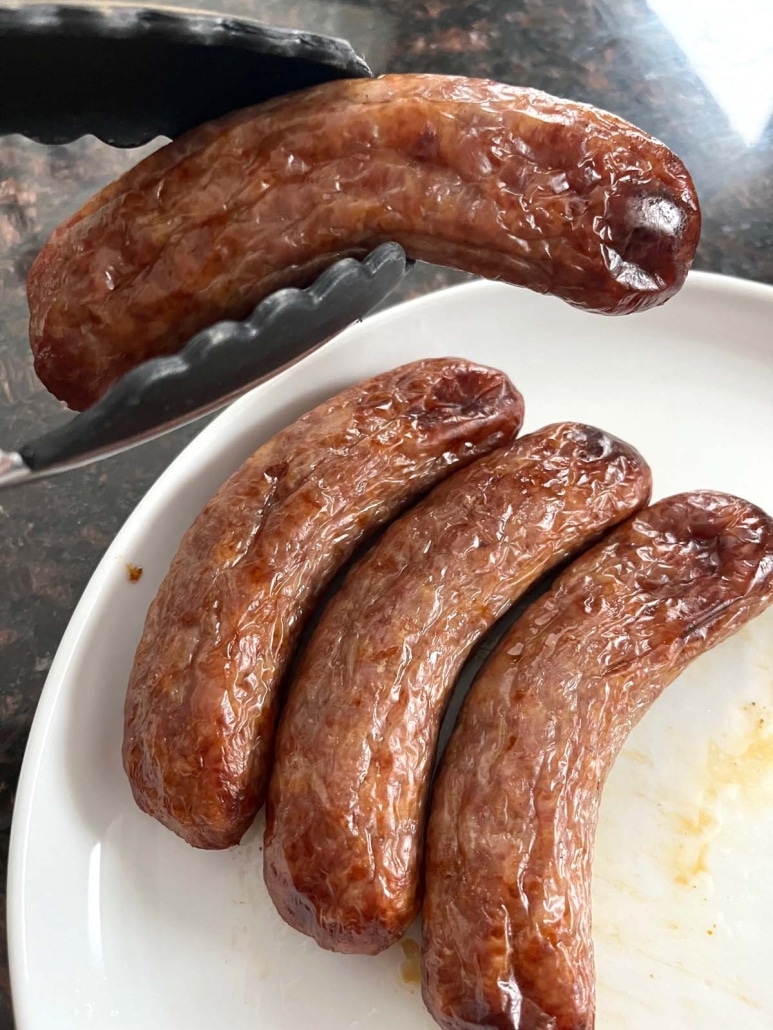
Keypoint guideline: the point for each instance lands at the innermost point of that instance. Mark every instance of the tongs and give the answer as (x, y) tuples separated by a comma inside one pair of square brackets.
[(129, 75)]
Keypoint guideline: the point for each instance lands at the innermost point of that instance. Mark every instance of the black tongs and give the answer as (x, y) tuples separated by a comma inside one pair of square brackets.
[(129, 75)]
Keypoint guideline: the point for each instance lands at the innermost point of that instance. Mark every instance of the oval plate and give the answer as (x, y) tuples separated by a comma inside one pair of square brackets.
[(114, 922)]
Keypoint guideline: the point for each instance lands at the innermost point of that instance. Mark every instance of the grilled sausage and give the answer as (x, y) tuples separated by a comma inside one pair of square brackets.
[(509, 183), (202, 697), (507, 921), (356, 744)]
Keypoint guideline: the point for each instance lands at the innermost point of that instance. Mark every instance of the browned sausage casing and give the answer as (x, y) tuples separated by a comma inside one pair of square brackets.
[(202, 697), (507, 920), (509, 183), (357, 741)]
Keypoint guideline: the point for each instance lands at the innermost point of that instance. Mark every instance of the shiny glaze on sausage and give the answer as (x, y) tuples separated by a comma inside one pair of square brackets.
[(357, 740), (506, 182), (204, 690)]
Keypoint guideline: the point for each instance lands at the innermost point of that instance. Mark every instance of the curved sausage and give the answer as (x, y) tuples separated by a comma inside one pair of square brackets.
[(505, 182), (357, 741), (507, 920), (203, 693)]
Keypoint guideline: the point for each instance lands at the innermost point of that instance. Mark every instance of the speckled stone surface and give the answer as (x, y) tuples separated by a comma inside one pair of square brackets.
[(617, 54)]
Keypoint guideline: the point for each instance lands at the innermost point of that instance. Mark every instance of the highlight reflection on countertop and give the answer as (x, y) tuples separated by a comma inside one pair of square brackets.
[(696, 73)]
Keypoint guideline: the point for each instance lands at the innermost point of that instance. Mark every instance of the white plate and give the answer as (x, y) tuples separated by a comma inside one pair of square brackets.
[(114, 922)]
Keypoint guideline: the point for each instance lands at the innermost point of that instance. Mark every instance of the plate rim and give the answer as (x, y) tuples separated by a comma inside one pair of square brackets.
[(698, 282)]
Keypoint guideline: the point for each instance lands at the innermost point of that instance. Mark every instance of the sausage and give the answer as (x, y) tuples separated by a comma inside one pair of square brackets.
[(508, 183), (203, 694), (507, 919), (356, 744)]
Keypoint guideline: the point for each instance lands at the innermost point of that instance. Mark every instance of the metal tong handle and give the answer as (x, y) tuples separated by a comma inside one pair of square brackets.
[(216, 365)]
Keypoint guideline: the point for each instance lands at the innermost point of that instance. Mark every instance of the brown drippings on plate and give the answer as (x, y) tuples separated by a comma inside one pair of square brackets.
[(410, 967), (740, 771), (134, 572)]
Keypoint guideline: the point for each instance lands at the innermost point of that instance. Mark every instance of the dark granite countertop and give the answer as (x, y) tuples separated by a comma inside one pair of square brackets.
[(703, 85)]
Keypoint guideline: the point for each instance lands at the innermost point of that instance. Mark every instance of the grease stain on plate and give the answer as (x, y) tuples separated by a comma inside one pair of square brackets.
[(633, 754), (739, 776), (410, 967)]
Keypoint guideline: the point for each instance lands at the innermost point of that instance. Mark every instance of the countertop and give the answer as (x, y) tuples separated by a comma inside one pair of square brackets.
[(696, 73)]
